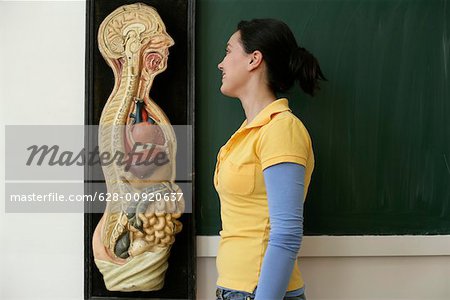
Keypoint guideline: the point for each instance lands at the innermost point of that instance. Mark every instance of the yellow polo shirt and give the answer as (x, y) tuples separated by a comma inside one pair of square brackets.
[(274, 136)]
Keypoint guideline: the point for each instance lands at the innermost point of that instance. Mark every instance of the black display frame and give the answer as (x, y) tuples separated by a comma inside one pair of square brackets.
[(176, 83)]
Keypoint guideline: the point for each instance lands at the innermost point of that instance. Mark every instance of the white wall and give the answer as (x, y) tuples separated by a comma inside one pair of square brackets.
[(359, 268), (357, 278), (41, 255), (41, 82)]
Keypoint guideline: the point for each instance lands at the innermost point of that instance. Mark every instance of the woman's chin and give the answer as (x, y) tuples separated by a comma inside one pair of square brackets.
[(223, 90), (226, 92)]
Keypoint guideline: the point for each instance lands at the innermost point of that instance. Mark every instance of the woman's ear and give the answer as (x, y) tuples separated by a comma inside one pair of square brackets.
[(255, 59)]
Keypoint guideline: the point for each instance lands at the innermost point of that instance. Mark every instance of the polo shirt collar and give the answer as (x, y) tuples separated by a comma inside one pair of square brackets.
[(264, 116)]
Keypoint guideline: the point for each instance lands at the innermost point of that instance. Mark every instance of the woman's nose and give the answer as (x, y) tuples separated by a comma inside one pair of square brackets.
[(220, 66)]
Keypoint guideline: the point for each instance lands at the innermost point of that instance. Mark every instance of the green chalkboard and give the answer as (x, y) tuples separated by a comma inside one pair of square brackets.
[(380, 126)]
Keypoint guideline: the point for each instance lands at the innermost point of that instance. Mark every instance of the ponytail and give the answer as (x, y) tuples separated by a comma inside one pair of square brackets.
[(286, 62), (305, 69)]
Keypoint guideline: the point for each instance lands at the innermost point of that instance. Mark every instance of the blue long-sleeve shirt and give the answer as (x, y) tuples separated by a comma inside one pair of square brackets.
[(285, 191)]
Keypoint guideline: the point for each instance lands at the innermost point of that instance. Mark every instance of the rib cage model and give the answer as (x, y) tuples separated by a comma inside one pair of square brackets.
[(132, 241)]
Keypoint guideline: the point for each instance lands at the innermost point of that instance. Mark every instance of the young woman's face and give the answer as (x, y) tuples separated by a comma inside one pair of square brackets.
[(234, 67)]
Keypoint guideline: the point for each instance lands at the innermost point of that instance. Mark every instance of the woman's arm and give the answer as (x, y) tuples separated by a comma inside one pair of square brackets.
[(285, 187)]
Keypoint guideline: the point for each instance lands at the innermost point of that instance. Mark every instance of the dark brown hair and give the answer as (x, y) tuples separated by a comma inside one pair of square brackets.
[(286, 61)]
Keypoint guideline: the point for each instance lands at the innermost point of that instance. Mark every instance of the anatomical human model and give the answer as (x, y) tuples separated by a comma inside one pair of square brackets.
[(132, 241)]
